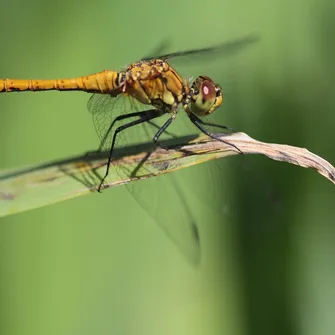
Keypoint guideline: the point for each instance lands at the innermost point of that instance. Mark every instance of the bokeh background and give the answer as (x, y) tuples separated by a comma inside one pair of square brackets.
[(98, 264)]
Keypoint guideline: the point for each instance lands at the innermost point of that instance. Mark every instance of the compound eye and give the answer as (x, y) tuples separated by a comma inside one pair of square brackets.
[(209, 97), (208, 92)]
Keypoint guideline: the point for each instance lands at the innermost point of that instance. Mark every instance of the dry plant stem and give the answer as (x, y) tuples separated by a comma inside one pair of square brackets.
[(48, 183)]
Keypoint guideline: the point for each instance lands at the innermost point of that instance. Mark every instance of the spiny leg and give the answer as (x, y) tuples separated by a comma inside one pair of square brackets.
[(200, 125), (216, 125), (159, 127), (141, 115), (162, 130), (145, 116)]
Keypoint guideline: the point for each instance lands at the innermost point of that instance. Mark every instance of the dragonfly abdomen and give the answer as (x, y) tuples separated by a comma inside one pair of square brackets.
[(101, 82)]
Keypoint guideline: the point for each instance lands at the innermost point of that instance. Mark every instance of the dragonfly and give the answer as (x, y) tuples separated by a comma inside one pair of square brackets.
[(152, 88)]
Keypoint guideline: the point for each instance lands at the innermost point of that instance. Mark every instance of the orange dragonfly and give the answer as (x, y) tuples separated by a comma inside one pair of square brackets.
[(155, 86), (152, 82)]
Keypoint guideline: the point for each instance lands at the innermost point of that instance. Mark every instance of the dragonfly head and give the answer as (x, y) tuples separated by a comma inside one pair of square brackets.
[(205, 97)]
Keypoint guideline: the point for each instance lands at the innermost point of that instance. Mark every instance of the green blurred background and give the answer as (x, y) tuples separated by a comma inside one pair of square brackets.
[(99, 264)]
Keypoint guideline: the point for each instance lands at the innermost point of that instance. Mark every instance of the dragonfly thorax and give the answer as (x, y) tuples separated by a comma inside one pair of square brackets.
[(155, 83)]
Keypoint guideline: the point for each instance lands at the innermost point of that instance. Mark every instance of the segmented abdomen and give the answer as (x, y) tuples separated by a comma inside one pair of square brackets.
[(102, 82)]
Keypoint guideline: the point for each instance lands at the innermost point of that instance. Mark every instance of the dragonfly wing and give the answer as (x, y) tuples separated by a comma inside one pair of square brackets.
[(226, 48), (104, 108), (159, 49), (162, 199)]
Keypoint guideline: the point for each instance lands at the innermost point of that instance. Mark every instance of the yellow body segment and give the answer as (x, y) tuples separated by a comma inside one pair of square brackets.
[(102, 82)]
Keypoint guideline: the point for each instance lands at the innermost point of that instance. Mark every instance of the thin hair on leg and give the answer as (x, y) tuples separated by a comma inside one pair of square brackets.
[(200, 125)]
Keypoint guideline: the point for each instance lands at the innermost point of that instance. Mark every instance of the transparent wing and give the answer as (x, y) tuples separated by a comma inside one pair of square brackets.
[(102, 106), (106, 108), (163, 199), (161, 48), (226, 48), (161, 196)]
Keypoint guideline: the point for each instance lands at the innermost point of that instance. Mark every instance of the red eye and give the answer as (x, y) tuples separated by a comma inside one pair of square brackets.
[(208, 90)]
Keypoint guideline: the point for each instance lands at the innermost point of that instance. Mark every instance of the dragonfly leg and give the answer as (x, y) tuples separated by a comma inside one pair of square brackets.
[(200, 125), (162, 130), (141, 115), (159, 127), (144, 117), (217, 125)]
